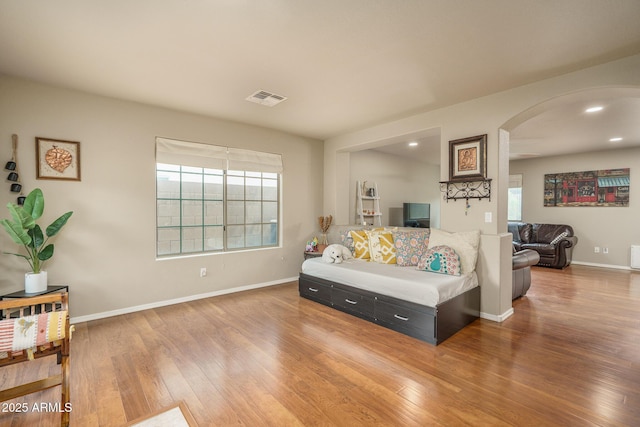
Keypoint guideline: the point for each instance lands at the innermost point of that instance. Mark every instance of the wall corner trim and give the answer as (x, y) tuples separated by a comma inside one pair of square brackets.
[(497, 318)]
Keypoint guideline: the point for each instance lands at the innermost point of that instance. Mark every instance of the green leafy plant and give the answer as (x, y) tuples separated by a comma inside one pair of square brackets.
[(24, 230)]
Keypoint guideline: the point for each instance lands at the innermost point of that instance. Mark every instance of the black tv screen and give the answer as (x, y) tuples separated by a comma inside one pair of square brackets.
[(413, 211)]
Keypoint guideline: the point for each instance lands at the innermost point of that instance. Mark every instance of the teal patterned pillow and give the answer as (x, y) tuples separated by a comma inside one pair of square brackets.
[(410, 246), (441, 259)]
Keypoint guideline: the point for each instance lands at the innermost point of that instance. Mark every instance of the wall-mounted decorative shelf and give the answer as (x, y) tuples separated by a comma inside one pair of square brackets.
[(472, 189)]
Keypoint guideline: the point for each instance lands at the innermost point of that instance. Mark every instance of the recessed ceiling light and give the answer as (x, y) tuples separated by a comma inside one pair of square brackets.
[(413, 144), (593, 109), (616, 139)]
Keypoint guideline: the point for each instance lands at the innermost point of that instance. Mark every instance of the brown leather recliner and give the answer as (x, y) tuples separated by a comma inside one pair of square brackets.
[(553, 242), (521, 276)]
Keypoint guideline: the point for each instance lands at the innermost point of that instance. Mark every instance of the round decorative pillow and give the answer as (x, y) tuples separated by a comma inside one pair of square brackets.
[(441, 259)]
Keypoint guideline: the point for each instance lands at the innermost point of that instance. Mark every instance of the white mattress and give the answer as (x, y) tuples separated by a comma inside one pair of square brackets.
[(405, 283)]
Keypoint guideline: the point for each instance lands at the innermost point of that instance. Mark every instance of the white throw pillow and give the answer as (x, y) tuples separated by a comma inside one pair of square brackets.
[(465, 243), (559, 237)]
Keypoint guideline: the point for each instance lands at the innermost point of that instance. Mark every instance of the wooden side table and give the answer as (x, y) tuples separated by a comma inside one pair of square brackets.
[(312, 254), (22, 294)]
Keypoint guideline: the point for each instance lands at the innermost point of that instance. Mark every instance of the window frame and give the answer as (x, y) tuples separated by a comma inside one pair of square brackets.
[(261, 209), (515, 182)]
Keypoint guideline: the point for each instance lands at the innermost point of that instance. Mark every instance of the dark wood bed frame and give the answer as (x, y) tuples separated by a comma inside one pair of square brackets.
[(430, 324)]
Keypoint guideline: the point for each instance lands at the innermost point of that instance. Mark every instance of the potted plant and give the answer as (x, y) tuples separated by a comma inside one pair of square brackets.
[(24, 230)]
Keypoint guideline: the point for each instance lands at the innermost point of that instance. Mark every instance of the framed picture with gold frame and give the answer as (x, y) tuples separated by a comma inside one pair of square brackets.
[(468, 158), (57, 159)]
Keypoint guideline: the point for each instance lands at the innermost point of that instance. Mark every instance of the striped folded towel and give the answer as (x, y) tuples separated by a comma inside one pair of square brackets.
[(29, 332)]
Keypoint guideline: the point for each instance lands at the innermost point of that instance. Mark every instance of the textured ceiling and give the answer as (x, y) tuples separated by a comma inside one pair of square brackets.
[(343, 65)]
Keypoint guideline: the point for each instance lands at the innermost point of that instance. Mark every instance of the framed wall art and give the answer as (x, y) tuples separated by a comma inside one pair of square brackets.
[(608, 187), (468, 158), (57, 159)]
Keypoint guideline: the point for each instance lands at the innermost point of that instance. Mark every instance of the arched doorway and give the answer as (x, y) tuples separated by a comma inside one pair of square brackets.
[(560, 135)]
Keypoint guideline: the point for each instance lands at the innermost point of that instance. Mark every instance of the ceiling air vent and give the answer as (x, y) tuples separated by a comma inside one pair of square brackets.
[(263, 97)]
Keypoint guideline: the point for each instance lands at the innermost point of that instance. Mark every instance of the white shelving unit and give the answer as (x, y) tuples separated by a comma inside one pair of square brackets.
[(368, 204)]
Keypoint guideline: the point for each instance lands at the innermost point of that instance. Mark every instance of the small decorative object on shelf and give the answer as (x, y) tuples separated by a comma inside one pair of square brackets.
[(471, 189), (325, 223), (312, 245)]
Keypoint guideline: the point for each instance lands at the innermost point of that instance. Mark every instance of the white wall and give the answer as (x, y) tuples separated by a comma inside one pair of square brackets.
[(398, 179), (612, 227), (106, 253), (479, 116)]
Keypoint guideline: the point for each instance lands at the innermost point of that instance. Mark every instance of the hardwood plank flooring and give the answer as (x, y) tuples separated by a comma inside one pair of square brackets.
[(569, 356)]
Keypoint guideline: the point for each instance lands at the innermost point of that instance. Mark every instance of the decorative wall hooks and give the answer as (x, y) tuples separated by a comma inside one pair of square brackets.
[(471, 189)]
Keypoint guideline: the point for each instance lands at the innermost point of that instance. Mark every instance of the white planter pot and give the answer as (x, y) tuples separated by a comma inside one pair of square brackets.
[(35, 282)]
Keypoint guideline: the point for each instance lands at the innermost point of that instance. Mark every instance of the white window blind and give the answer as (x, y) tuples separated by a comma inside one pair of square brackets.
[(253, 161), (195, 154), (515, 181)]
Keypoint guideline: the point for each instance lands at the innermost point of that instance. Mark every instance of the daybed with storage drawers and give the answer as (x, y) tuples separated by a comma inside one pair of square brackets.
[(425, 305)]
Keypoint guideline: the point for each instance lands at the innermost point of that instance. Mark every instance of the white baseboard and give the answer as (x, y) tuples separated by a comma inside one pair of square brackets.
[(593, 264), (104, 314), (498, 318)]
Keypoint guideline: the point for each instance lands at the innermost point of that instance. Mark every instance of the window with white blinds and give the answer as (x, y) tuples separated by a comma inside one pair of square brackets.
[(213, 198)]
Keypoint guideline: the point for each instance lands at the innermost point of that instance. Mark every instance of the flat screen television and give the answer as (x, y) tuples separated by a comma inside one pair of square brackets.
[(416, 214)]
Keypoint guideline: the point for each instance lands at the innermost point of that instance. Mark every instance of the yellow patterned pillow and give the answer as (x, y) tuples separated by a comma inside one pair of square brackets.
[(360, 244), (381, 247)]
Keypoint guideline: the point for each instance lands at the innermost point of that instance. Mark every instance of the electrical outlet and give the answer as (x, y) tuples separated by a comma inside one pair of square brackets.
[(203, 272), (605, 250), (596, 249)]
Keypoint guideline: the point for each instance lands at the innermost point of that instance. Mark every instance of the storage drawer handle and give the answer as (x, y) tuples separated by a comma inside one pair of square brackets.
[(397, 316), (351, 301), (313, 289)]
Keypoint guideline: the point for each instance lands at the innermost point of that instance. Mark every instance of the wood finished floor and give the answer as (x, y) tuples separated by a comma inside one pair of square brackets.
[(569, 356)]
